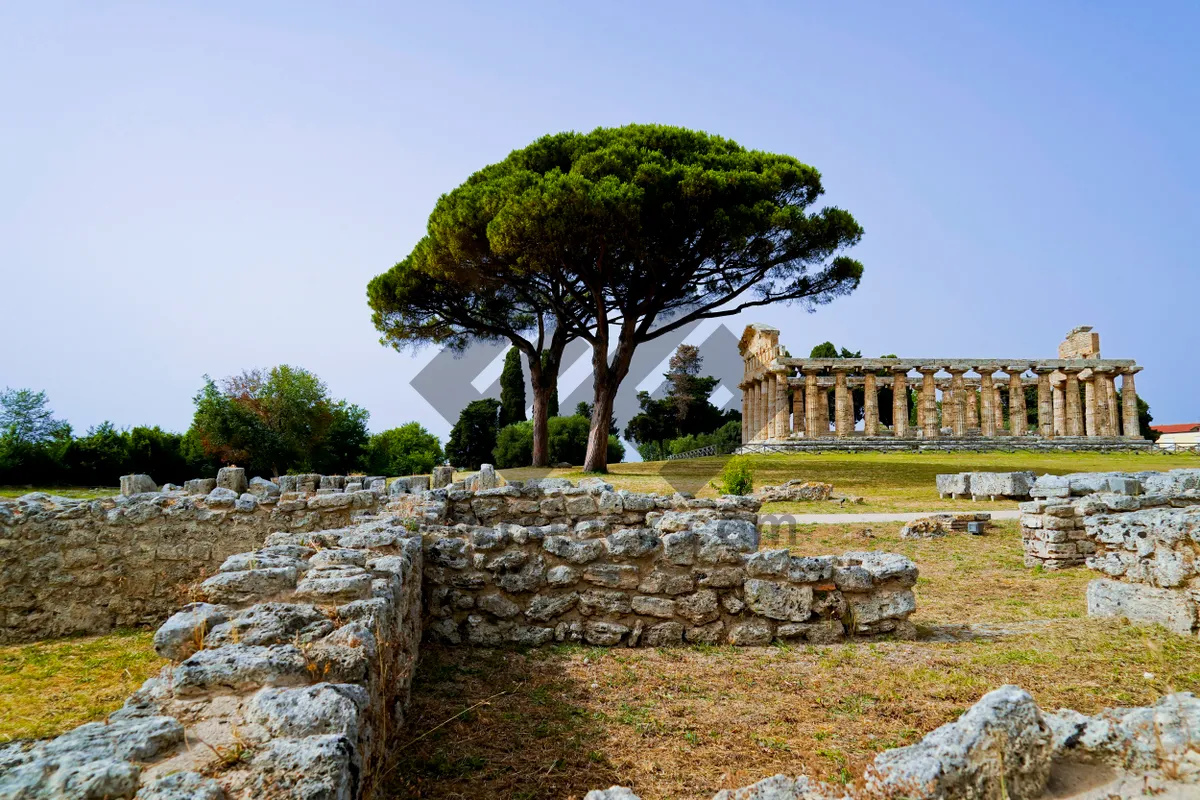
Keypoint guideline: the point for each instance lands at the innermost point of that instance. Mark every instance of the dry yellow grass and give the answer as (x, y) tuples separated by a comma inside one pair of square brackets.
[(682, 723), (47, 688)]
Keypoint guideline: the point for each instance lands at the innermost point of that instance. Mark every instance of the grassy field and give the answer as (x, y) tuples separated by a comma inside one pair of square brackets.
[(77, 492), (47, 688), (885, 481), (683, 722)]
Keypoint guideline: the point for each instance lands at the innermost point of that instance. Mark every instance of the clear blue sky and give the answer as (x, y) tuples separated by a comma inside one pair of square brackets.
[(191, 188)]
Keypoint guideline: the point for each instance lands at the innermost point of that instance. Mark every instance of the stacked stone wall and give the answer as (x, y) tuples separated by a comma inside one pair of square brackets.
[(531, 564), (287, 681), (1141, 531), (89, 566)]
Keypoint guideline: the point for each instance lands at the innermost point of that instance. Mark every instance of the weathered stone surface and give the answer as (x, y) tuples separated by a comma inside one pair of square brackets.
[(250, 584), (614, 576), (698, 608), (137, 484), (604, 633), (263, 488), (1174, 610), (200, 485), (238, 667), (752, 633), (272, 623), (573, 551), (664, 634), (546, 607), (312, 767), (632, 542), (795, 491), (1001, 741), (309, 710), (779, 601), (598, 601), (181, 786), (653, 606), (183, 633), (233, 479)]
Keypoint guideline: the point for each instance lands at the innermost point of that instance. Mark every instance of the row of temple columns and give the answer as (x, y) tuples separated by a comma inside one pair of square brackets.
[(968, 408)]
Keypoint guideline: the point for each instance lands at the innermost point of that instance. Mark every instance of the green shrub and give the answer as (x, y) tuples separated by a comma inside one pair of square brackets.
[(567, 439), (736, 478)]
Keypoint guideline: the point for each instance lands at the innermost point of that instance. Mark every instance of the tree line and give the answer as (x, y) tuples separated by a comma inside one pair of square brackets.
[(273, 422)]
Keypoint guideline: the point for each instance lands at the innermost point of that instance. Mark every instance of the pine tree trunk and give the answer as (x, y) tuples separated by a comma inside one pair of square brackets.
[(541, 428), (607, 382)]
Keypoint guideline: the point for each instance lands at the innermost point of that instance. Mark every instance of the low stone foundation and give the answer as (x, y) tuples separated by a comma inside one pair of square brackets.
[(287, 684), (1142, 531), (548, 561), (89, 566), (293, 664)]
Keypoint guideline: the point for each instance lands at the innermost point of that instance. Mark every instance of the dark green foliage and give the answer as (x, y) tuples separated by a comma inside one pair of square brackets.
[(685, 410), (278, 421), (473, 436), (406, 450), (512, 389), (568, 437), (725, 438), (644, 227), (514, 446)]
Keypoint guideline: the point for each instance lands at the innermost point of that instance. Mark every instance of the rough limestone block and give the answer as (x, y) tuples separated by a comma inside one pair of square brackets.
[(779, 601), (1000, 741), (262, 488), (200, 485), (443, 476), (1144, 604), (233, 479), (953, 485), (137, 484)]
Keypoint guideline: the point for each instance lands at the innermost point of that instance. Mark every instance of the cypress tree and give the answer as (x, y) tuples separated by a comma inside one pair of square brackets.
[(512, 389)]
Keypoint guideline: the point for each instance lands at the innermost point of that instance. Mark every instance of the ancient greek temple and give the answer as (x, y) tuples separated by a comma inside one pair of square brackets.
[(1072, 401)]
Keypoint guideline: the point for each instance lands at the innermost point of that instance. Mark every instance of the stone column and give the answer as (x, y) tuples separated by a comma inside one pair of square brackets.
[(870, 405), (841, 398), (782, 423), (997, 408), (798, 420), (1045, 426), (972, 397), (745, 411), (1089, 403), (987, 397), (958, 403), (900, 404), (825, 415), (1129, 404), (768, 385), (1114, 404), (1100, 392), (929, 423), (812, 404), (764, 409), (1018, 423), (1059, 399), (1074, 412)]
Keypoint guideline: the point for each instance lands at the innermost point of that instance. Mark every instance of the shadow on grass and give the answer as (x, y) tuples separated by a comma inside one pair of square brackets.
[(498, 723)]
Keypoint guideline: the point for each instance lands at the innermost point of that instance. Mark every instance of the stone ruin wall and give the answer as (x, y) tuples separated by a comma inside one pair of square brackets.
[(292, 671), (287, 681), (90, 566), (1140, 530), (548, 561)]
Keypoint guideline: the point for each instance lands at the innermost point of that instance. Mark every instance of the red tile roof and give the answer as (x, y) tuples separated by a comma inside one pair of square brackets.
[(1184, 427)]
